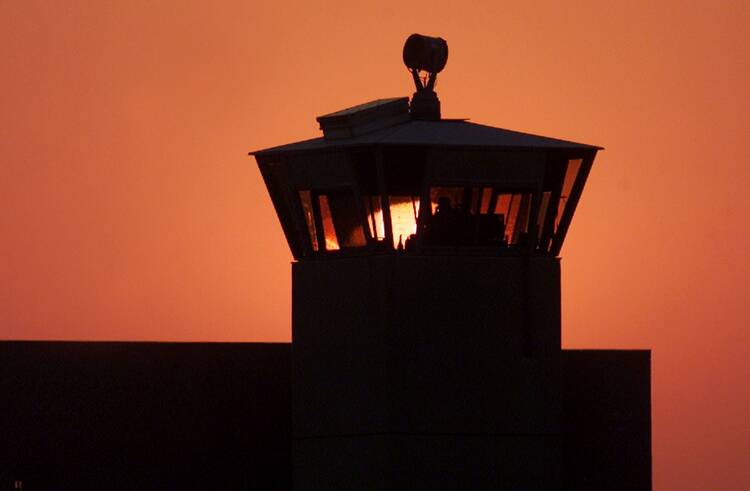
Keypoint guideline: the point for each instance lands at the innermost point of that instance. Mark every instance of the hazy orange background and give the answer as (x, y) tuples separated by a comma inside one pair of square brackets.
[(130, 210)]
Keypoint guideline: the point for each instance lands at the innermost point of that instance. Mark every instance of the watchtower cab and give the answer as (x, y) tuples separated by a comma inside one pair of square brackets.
[(378, 181)]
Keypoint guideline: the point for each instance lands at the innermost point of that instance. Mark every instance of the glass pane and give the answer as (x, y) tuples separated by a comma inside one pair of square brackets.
[(307, 209), (404, 212), (491, 225), (503, 202), (374, 213), (346, 219), (521, 228), (514, 208), (514, 205), (332, 242), (542, 213), (480, 216), (486, 198), (571, 173)]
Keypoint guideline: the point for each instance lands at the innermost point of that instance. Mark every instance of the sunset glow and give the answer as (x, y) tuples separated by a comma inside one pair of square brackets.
[(404, 212), (130, 209)]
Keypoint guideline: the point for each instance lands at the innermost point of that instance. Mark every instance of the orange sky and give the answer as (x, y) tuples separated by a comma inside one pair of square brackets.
[(130, 210)]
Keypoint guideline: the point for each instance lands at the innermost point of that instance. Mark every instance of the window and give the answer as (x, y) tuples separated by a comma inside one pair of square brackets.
[(546, 195), (514, 208), (332, 219), (374, 212), (571, 173), (329, 231), (404, 213), (307, 209), (482, 216)]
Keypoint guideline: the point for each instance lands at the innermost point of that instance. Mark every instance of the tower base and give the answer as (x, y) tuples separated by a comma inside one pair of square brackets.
[(427, 372)]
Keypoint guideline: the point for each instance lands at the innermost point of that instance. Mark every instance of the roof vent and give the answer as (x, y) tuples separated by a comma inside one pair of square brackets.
[(364, 118)]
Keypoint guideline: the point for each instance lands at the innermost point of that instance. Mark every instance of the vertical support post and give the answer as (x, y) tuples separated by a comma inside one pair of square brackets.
[(384, 202), (319, 231)]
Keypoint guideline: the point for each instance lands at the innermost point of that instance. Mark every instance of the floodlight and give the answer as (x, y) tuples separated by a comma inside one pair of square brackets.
[(425, 54)]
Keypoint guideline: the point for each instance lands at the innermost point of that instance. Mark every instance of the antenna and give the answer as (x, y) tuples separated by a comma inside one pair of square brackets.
[(425, 57)]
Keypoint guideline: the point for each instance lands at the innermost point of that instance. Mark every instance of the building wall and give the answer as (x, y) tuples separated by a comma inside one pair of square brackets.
[(144, 415), (218, 416), (607, 420), (455, 358)]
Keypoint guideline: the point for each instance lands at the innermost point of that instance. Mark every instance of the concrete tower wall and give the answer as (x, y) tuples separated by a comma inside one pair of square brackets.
[(415, 372)]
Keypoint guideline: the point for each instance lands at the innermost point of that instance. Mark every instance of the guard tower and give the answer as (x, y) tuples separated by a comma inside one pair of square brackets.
[(426, 294)]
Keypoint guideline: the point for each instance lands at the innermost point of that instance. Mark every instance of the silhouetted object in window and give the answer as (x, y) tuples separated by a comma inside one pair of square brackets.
[(441, 227)]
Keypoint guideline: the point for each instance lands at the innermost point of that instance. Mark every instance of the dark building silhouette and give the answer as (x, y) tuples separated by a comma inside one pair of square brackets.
[(426, 332), (131, 416), (94, 415)]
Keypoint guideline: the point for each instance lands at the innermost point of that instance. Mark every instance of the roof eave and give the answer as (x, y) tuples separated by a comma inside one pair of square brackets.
[(282, 151)]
